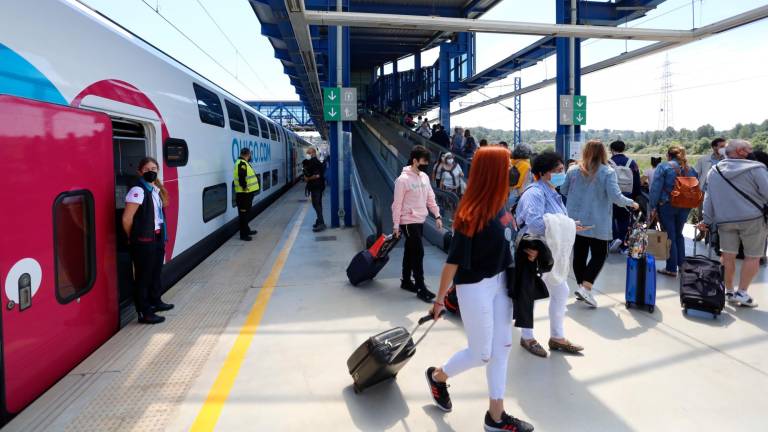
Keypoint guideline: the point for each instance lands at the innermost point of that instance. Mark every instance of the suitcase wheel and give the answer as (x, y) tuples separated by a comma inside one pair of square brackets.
[(356, 389), (651, 308), (627, 304), (685, 311)]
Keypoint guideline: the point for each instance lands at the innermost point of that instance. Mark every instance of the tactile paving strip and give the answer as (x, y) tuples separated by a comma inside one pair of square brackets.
[(145, 394)]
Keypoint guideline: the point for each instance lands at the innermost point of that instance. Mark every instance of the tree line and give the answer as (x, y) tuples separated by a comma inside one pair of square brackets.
[(696, 141)]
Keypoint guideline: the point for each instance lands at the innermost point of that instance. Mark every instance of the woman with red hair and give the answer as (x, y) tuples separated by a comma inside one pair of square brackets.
[(479, 255)]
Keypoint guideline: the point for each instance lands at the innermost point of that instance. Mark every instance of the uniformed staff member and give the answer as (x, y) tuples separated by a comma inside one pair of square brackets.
[(144, 224), (314, 175), (246, 184)]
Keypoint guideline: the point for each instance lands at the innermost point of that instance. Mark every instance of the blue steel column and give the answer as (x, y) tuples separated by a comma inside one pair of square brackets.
[(445, 87), (417, 71), (336, 141), (518, 115), (563, 12), (396, 98)]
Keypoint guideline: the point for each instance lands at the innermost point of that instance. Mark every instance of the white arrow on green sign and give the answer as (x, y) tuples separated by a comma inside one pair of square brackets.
[(579, 110)]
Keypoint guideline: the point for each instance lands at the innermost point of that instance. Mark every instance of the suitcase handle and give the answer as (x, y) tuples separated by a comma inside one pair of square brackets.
[(422, 320)]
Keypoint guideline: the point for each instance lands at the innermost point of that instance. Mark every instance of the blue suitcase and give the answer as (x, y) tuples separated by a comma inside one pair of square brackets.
[(641, 282)]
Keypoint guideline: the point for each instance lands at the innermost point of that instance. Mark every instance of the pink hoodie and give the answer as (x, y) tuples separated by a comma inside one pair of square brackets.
[(413, 194)]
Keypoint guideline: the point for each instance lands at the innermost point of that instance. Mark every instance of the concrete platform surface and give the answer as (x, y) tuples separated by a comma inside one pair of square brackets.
[(640, 372)]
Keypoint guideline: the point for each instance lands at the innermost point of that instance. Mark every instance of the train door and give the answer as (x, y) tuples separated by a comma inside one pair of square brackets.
[(57, 250), (131, 143)]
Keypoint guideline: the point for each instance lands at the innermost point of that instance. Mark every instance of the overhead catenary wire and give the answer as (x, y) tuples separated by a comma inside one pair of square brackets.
[(210, 57)]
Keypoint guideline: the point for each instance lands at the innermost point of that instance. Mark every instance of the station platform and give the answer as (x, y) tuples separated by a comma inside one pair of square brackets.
[(261, 331)]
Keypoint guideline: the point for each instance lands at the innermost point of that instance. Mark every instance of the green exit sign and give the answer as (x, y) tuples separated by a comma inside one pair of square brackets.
[(579, 110)]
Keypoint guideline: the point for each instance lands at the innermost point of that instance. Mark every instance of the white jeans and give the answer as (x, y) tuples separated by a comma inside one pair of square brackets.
[(486, 311), (558, 297)]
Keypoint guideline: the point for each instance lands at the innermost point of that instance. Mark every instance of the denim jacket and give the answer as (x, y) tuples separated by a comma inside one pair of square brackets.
[(591, 199), (664, 182)]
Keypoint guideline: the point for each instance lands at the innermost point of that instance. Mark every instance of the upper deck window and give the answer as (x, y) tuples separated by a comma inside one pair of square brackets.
[(253, 124), (209, 106), (235, 114)]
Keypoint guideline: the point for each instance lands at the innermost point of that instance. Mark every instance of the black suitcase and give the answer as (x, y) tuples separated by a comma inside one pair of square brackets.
[(382, 356), (701, 285), (365, 266)]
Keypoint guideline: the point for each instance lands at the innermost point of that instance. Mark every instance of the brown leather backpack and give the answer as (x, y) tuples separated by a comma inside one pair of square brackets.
[(686, 194)]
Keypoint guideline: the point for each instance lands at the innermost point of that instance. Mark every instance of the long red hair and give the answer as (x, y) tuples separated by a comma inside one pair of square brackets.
[(487, 190)]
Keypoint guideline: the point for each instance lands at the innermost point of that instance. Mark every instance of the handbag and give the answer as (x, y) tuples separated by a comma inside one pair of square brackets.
[(658, 243)]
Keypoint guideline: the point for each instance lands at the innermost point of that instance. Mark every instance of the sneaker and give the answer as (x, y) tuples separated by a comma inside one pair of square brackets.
[(744, 299), (586, 296), (150, 318), (615, 245), (729, 296), (439, 391), (246, 238), (507, 424), (253, 232), (161, 307), (319, 227), (425, 295), (407, 284)]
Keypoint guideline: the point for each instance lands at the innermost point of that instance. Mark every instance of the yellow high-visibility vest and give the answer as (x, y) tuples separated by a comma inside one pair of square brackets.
[(251, 182)]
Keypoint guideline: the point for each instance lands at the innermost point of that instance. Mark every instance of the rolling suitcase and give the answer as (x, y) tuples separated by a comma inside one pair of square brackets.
[(382, 356), (701, 285), (368, 263), (641, 282)]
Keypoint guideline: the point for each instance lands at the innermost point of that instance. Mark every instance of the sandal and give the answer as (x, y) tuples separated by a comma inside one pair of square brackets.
[(566, 346), (533, 347), (666, 272)]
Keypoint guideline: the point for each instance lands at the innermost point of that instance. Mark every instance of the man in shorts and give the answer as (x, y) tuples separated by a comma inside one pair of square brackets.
[(737, 192)]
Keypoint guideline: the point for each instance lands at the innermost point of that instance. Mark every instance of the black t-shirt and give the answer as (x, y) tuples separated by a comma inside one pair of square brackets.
[(483, 255), (314, 167)]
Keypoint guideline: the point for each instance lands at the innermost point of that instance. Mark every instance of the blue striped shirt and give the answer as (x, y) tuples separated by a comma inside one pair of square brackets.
[(538, 200)]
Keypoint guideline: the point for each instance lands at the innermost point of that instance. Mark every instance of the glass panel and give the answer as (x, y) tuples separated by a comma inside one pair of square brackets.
[(266, 179), (214, 201), (73, 244), (253, 124), (264, 129), (209, 106), (235, 114)]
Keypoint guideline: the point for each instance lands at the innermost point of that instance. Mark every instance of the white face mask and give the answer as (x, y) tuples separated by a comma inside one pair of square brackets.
[(307, 156), (721, 152), (449, 161)]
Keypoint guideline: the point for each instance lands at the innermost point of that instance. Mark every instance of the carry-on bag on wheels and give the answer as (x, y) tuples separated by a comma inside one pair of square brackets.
[(641, 282), (701, 285), (382, 356), (368, 263)]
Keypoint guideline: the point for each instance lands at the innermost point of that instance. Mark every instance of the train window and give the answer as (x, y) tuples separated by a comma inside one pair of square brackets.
[(74, 247), (258, 180), (275, 178), (253, 124), (266, 185), (175, 152), (209, 106), (235, 114), (264, 129), (272, 132), (214, 201)]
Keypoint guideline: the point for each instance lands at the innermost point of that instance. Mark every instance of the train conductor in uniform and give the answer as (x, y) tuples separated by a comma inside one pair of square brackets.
[(246, 184), (144, 224)]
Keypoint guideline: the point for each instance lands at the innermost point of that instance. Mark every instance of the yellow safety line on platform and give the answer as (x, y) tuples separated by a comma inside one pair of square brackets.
[(209, 414)]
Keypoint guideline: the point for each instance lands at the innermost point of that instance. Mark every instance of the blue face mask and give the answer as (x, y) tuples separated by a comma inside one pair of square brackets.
[(557, 179)]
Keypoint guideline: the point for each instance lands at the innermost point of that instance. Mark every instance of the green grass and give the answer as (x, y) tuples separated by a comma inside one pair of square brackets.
[(644, 160)]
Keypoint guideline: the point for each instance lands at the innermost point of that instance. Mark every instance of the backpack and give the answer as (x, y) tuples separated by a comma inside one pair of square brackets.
[(624, 176), (514, 177), (686, 194)]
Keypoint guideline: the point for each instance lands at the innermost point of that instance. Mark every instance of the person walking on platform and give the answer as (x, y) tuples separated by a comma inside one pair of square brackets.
[(737, 193), (457, 141), (520, 173), (592, 190), (628, 176), (314, 175), (470, 146), (477, 262), (144, 225), (703, 165), (672, 218), (413, 199), (539, 199), (246, 184)]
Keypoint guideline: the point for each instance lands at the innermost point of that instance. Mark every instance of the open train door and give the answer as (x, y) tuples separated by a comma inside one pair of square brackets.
[(57, 248)]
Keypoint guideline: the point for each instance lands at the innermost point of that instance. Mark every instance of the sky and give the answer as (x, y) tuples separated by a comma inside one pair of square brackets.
[(720, 80)]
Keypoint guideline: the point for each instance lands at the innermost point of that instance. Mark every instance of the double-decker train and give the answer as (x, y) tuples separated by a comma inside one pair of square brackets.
[(82, 100)]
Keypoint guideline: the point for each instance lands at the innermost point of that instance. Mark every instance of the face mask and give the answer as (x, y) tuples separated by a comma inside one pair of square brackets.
[(557, 179), (449, 161), (721, 152), (307, 156), (424, 168), (149, 176)]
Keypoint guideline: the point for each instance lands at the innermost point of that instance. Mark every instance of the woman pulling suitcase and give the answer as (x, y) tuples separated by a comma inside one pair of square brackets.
[(477, 261)]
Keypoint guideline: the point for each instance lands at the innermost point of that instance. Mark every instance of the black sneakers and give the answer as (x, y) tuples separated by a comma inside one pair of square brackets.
[(439, 392), (422, 292), (507, 424), (407, 284), (162, 307), (150, 318)]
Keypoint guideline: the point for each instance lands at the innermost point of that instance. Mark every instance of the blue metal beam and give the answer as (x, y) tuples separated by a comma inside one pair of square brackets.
[(401, 9)]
